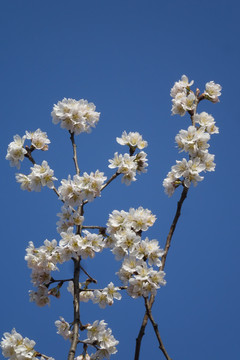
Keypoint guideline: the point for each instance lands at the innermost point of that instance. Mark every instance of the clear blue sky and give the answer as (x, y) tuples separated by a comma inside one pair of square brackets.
[(125, 56)]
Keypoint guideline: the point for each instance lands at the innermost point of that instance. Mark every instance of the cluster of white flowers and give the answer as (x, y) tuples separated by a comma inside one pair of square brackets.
[(129, 164), (15, 347), (133, 140), (184, 98), (44, 260), (41, 175), (72, 245), (137, 219), (195, 139), (77, 116), (102, 338), (141, 279), (86, 187), (138, 255), (206, 122), (102, 297), (16, 150), (106, 296), (212, 91), (63, 328), (68, 218), (39, 139)]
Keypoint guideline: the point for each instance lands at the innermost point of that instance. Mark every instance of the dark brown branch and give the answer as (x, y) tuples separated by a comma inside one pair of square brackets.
[(29, 153), (59, 281), (119, 287), (155, 327), (110, 180), (91, 279), (166, 249), (173, 226)]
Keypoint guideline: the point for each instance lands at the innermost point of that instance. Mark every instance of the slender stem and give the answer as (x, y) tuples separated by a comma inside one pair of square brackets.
[(59, 281), (76, 321), (155, 327), (101, 228), (119, 287), (89, 276), (173, 226), (166, 249), (74, 152), (110, 180), (42, 355), (29, 154)]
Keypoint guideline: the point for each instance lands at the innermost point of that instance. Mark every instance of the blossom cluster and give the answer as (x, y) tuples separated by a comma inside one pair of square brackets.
[(125, 229), (38, 139), (63, 328), (77, 116), (102, 338), (44, 260), (133, 140), (194, 140), (128, 164), (86, 187), (40, 176), (102, 297), (16, 150), (98, 336), (185, 100), (15, 347), (68, 218)]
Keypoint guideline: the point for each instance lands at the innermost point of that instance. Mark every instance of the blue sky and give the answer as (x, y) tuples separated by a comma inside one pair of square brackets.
[(125, 57)]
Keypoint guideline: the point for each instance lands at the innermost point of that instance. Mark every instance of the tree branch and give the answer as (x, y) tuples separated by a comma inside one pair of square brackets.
[(110, 180), (155, 327), (166, 249), (76, 321), (74, 152)]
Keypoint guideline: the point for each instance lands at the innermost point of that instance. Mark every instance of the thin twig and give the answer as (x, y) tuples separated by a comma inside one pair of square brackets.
[(59, 281), (155, 327), (119, 287), (42, 356), (110, 180), (89, 276), (166, 249), (29, 154), (173, 226), (101, 228), (74, 152)]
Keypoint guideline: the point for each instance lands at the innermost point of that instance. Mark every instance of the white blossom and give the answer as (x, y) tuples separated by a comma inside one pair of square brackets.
[(75, 116), (40, 297), (63, 328), (193, 140), (85, 187), (102, 338), (24, 180), (16, 151), (15, 347), (181, 86), (133, 140), (207, 122), (212, 91), (68, 218), (39, 139)]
